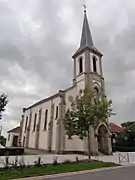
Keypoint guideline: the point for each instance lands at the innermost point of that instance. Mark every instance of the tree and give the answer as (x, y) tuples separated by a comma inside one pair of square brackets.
[(3, 103), (86, 111), (127, 137), (128, 124)]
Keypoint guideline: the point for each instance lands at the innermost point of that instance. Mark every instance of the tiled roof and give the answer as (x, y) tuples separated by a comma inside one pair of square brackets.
[(114, 128), (16, 130)]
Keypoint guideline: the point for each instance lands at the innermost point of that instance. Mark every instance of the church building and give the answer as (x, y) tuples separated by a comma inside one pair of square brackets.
[(42, 126)]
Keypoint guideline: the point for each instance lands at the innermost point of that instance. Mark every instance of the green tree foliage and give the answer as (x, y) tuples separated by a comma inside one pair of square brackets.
[(128, 124), (86, 111), (3, 103), (127, 138)]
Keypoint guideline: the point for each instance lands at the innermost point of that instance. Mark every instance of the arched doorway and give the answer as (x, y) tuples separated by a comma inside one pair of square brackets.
[(102, 138)]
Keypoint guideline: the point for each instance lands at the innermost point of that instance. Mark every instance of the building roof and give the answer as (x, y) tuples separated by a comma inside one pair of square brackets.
[(16, 130), (114, 128), (86, 38), (41, 101)]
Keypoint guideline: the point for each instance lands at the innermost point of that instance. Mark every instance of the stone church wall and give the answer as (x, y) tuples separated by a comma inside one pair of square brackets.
[(74, 144)]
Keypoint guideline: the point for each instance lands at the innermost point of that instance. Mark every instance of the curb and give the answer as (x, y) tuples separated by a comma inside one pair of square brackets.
[(74, 173)]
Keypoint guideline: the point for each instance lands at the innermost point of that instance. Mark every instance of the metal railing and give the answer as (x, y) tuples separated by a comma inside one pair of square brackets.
[(123, 158)]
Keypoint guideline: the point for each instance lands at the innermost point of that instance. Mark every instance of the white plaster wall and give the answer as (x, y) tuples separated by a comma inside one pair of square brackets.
[(75, 144), (56, 102), (98, 65), (80, 86), (32, 137), (43, 136), (44, 133), (73, 92), (27, 113), (81, 77), (94, 81), (10, 141)]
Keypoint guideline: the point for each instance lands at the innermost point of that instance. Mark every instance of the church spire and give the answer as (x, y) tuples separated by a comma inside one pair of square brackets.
[(86, 38)]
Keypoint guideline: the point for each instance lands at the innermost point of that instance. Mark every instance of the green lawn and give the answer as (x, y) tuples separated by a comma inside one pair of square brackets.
[(51, 169)]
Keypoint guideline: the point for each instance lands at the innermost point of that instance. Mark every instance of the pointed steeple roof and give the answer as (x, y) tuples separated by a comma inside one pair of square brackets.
[(86, 38)]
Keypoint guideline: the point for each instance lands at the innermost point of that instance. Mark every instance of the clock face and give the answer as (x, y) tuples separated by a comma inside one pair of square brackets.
[(70, 98)]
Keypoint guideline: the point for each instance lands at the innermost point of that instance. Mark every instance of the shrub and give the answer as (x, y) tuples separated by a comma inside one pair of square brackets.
[(67, 161), (55, 161), (21, 162), (125, 149), (77, 159), (6, 163), (38, 162), (11, 151), (15, 162)]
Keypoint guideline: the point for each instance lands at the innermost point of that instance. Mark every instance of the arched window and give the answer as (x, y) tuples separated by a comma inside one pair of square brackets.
[(96, 90), (26, 123), (46, 116), (57, 112), (94, 64), (80, 65), (35, 119), (40, 114)]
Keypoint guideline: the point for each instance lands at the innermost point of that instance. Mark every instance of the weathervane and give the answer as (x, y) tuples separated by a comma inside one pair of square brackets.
[(85, 7)]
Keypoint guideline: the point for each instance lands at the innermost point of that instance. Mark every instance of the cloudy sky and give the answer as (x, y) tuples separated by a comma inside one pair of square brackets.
[(38, 39)]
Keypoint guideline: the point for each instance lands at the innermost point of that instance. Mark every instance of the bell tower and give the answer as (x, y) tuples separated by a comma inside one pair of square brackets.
[(88, 62)]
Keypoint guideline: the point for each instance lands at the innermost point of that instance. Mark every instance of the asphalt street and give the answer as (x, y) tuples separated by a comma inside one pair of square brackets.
[(125, 173)]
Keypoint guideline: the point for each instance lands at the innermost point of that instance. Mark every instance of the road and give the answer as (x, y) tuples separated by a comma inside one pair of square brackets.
[(125, 173)]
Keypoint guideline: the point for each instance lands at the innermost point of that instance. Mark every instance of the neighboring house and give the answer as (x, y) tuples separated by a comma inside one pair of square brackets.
[(13, 137), (42, 123), (116, 130)]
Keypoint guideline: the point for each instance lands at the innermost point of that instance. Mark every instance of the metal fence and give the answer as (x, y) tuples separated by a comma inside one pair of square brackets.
[(123, 158)]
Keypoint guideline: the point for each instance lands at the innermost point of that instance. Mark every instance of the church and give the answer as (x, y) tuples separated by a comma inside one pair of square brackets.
[(41, 126)]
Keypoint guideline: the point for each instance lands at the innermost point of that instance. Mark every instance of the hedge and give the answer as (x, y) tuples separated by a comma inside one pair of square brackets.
[(124, 149), (11, 151)]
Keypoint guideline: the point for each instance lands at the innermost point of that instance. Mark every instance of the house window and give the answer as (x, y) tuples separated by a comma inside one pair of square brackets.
[(57, 112), (46, 116), (94, 64), (40, 114), (35, 119), (80, 65), (26, 123), (8, 137)]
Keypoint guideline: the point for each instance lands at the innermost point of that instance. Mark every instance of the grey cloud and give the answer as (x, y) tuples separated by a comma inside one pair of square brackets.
[(32, 46)]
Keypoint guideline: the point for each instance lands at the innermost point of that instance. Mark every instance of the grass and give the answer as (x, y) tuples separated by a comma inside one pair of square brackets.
[(51, 169)]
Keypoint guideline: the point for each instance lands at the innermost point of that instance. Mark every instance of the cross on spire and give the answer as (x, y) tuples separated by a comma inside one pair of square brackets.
[(85, 7), (86, 37)]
